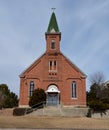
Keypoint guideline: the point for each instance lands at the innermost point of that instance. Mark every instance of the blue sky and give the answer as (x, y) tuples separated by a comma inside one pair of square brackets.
[(84, 25)]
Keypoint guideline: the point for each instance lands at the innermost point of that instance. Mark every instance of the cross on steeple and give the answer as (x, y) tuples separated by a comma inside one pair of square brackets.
[(53, 9)]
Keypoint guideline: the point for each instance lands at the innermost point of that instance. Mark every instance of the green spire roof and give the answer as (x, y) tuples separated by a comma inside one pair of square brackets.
[(53, 26)]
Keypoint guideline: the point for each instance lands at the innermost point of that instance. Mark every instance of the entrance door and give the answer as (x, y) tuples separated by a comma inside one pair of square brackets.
[(52, 99), (52, 95)]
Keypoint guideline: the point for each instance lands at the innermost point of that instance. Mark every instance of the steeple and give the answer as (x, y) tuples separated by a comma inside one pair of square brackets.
[(53, 36), (53, 26)]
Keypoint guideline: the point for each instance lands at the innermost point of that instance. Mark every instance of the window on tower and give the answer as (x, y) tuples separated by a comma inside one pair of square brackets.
[(52, 44)]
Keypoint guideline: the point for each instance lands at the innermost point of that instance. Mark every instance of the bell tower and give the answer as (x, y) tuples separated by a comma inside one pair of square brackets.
[(53, 36)]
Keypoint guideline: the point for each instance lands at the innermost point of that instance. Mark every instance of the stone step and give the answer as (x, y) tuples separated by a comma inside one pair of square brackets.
[(55, 111), (37, 112), (61, 111), (50, 111)]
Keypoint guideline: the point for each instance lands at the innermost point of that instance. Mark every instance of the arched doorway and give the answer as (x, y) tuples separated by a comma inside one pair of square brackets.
[(52, 95)]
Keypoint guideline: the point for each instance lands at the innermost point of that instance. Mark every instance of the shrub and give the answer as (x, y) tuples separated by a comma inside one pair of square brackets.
[(98, 106), (38, 98), (19, 111), (8, 99)]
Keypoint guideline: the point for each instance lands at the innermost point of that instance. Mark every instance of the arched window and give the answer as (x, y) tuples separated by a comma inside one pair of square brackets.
[(31, 88), (74, 89), (52, 44)]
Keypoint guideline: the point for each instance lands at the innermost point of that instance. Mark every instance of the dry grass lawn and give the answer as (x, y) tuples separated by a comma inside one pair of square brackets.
[(52, 122)]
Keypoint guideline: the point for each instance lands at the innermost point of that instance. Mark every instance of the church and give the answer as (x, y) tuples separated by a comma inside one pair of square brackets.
[(63, 82)]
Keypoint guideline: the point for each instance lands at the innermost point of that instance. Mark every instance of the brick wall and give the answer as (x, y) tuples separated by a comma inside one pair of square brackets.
[(65, 74)]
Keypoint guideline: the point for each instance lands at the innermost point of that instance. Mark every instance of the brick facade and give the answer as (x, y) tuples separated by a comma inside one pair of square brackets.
[(54, 69)]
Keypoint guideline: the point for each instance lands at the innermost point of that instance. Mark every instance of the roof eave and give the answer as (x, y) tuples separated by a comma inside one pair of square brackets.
[(83, 74), (22, 74)]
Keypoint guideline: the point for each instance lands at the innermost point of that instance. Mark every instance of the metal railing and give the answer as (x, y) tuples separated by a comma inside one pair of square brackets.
[(44, 104), (35, 107)]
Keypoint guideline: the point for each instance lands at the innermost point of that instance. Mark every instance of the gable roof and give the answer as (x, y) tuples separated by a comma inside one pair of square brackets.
[(53, 26), (38, 60), (73, 65), (31, 66)]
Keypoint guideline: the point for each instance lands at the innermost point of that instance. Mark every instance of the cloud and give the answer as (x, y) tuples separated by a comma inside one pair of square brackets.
[(87, 39), (84, 27)]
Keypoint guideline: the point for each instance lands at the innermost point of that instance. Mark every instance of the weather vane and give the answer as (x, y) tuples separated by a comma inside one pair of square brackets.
[(53, 9)]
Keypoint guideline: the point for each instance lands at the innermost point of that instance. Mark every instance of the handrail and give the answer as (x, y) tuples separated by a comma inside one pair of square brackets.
[(33, 108), (43, 104)]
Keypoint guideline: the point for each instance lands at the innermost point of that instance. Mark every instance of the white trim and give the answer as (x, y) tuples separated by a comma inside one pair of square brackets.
[(52, 88), (52, 30), (24, 106), (72, 98), (75, 92)]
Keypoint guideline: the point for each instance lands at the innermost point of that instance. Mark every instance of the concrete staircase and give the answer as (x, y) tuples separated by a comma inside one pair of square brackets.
[(49, 110), (60, 111), (53, 111)]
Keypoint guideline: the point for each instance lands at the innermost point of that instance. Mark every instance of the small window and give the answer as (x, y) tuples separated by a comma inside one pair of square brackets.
[(55, 65), (31, 88), (52, 44), (74, 90), (52, 65)]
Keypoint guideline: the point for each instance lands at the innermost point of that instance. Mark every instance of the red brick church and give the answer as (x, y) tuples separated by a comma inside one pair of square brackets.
[(61, 79)]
